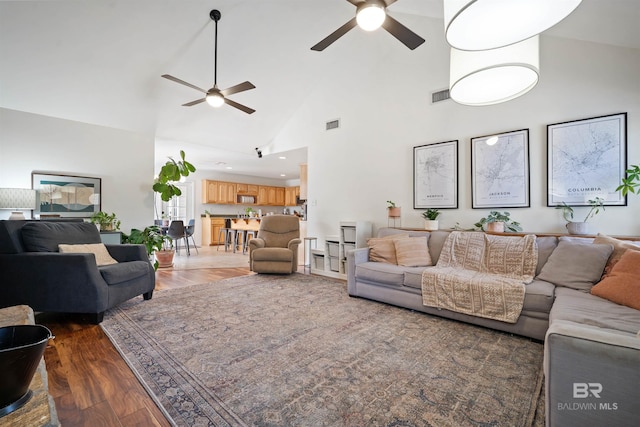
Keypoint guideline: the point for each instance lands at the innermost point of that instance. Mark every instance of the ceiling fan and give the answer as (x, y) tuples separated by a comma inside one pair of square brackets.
[(214, 96), (370, 15)]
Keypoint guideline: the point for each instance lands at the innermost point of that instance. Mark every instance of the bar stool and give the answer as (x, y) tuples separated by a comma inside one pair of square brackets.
[(246, 236), (229, 236)]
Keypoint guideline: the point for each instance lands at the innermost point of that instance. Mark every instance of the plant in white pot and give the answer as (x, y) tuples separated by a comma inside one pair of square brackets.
[(498, 222), (431, 219), (581, 227)]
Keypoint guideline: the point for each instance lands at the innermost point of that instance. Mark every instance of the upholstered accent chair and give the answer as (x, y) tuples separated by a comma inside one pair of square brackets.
[(275, 249), (64, 267)]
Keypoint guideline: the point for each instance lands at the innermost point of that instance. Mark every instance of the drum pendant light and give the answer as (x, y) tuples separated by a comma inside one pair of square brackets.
[(494, 76), (489, 24)]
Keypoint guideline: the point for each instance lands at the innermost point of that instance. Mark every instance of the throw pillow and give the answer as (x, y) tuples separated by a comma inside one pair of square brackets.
[(619, 248), (412, 252), (382, 249), (98, 249), (622, 285), (576, 265)]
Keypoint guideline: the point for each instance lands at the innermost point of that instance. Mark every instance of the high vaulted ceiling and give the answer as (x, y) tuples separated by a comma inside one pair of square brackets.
[(100, 61)]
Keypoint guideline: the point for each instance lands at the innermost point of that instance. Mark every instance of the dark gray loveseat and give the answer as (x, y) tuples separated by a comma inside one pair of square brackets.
[(36, 274)]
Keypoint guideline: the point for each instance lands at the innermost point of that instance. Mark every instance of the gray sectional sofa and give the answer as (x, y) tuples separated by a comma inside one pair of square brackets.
[(592, 345)]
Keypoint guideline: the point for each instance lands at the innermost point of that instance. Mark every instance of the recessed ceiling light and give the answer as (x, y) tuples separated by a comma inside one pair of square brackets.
[(282, 174), (229, 167), (282, 158), (220, 163)]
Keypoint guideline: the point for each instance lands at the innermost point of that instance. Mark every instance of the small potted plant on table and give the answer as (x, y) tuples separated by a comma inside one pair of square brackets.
[(498, 222), (393, 210), (431, 219), (581, 227), (105, 221)]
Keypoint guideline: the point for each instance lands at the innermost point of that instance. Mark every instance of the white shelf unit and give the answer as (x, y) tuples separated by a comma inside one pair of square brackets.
[(353, 234)]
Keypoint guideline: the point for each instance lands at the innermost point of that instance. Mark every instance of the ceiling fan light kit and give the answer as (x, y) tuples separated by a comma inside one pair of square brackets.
[(494, 76), (214, 96), (371, 15), (489, 24)]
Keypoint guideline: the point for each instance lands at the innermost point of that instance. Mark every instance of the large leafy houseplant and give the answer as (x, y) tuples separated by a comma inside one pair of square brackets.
[(171, 172), (153, 240)]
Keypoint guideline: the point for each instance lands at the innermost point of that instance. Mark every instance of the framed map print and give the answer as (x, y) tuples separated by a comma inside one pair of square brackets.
[(587, 159), (500, 170), (435, 176)]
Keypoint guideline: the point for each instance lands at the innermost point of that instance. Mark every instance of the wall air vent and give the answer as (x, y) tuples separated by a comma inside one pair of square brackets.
[(333, 124), (439, 96)]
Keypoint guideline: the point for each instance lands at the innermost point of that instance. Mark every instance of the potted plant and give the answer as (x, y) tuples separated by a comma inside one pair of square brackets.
[(498, 222), (431, 219), (105, 221), (394, 211), (171, 172), (581, 227), (156, 243), (631, 183)]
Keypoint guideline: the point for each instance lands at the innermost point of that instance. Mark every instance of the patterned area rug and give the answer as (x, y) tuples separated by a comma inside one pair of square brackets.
[(297, 350)]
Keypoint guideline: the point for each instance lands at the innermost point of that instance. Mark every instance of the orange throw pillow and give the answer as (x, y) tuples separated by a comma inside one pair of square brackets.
[(622, 285), (619, 248)]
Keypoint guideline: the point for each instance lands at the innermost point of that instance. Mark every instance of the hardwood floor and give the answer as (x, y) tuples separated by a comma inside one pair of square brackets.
[(90, 382)]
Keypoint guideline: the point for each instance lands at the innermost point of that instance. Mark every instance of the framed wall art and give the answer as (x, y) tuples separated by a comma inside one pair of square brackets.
[(435, 175), (586, 159), (65, 195), (500, 170)]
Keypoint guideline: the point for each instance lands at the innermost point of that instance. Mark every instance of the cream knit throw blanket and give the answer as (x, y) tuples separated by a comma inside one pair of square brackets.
[(481, 275)]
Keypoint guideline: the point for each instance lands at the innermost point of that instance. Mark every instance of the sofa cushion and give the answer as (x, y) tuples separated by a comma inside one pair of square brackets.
[(619, 248), (382, 249), (380, 272), (273, 254), (123, 271), (413, 277), (622, 285), (46, 236), (412, 252), (538, 296), (581, 307), (576, 265), (99, 250), (546, 245)]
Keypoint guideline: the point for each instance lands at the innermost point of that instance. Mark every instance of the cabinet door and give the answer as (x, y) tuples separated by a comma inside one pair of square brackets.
[(252, 189), (210, 191), (271, 196), (290, 196), (242, 188), (230, 193), (263, 195), (279, 196)]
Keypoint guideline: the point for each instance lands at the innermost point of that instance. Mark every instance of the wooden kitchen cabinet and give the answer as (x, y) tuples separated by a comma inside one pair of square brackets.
[(211, 231), (279, 196), (219, 192), (290, 195), (248, 189)]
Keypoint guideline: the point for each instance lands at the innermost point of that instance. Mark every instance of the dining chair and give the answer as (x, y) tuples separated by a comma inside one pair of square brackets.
[(177, 232), (189, 230)]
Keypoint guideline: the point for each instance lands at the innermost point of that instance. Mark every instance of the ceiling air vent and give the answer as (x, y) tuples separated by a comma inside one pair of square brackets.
[(333, 124), (439, 96)]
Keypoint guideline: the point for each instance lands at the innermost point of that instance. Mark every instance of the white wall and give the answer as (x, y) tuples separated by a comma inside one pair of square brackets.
[(385, 111), (124, 160)]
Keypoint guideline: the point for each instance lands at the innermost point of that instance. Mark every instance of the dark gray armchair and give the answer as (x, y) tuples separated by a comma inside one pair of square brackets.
[(36, 274)]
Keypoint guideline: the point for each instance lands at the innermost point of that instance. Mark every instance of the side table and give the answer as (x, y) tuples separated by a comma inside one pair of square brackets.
[(40, 409)]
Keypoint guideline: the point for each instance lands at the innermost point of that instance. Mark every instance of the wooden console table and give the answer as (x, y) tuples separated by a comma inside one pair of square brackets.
[(40, 409)]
